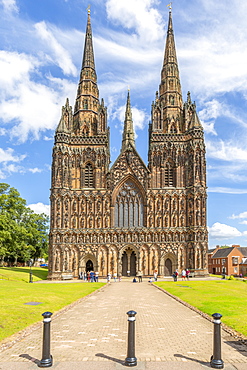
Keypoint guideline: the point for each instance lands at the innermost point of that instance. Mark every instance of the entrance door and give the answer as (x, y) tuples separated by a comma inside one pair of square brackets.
[(89, 266), (168, 267), (124, 264), (132, 264)]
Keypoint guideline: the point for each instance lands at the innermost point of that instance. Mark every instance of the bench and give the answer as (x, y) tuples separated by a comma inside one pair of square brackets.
[(67, 277)]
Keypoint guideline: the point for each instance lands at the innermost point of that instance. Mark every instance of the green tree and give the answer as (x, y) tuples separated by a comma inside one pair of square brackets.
[(23, 233)]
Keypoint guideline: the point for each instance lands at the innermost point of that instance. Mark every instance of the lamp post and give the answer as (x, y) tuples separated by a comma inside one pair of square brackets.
[(30, 271)]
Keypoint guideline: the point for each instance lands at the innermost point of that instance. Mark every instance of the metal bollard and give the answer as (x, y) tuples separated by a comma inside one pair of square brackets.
[(46, 356), (216, 361), (131, 360)]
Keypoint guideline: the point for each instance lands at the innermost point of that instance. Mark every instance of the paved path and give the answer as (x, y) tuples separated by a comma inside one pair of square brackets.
[(93, 334)]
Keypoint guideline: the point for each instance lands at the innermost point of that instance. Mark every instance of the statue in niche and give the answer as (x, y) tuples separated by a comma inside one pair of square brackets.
[(74, 263), (112, 261), (58, 220), (154, 261), (57, 261), (144, 262), (66, 204), (74, 206), (66, 262), (102, 262)]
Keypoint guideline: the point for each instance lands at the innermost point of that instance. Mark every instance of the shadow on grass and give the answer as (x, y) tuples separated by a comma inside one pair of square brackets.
[(193, 359), (110, 358), (40, 274), (32, 359)]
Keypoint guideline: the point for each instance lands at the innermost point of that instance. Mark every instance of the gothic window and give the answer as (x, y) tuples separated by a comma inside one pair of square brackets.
[(129, 206), (88, 176), (169, 175)]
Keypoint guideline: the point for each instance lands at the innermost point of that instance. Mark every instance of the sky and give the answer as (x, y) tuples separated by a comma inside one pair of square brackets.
[(41, 46)]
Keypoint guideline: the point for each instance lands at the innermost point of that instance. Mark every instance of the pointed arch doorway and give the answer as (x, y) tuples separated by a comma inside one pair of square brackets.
[(129, 262), (89, 266), (168, 267)]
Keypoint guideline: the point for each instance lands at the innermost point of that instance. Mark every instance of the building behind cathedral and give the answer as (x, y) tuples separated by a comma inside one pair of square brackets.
[(128, 217)]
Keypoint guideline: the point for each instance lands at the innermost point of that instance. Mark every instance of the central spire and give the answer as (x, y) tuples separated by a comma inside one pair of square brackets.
[(88, 56), (128, 133)]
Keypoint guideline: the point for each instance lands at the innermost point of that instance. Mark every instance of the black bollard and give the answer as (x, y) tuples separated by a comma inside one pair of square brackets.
[(131, 360), (216, 361), (46, 356)]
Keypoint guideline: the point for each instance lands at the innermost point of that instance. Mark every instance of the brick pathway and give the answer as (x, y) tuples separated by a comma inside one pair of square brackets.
[(93, 334)]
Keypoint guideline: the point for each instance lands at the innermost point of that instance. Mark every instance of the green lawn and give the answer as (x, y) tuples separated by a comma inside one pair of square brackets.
[(15, 291), (228, 297)]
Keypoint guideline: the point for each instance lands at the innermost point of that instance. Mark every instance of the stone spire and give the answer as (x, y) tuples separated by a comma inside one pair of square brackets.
[(87, 100), (88, 56), (128, 133), (170, 94)]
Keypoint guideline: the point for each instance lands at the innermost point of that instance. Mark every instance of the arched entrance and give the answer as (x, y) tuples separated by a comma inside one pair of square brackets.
[(129, 263), (89, 266), (168, 267)]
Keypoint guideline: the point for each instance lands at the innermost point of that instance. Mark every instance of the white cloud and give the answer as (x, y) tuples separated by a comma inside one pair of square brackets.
[(58, 53), (226, 151), (40, 208), (223, 231), (138, 15), (226, 190), (35, 170), (8, 155), (9, 6), (29, 106), (240, 215)]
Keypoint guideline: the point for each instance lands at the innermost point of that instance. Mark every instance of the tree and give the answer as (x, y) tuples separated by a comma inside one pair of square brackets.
[(23, 233)]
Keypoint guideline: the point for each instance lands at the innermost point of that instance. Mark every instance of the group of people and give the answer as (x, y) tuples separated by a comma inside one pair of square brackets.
[(185, 274), (92, 276), (89, 276)]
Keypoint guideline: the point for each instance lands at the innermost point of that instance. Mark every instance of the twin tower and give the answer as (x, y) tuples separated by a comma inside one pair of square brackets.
[(128, 217)]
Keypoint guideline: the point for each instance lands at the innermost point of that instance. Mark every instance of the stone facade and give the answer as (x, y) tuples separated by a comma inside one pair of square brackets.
[(130, 217)]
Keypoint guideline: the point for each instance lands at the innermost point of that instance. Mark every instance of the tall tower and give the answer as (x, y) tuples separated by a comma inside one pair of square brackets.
[(80, 163), (178, 169), (130, 217)]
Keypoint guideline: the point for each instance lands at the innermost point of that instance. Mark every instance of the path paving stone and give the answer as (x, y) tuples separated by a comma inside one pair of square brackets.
[(93, 334)]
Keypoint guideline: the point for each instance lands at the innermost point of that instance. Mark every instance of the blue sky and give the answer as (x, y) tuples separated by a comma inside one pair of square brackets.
[(41, 45)]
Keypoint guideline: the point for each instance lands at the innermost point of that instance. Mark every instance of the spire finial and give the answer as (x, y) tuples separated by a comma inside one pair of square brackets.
[(170, 6), (88, 9)]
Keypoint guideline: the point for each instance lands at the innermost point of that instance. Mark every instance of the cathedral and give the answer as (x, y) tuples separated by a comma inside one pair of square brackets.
[(130, 217)]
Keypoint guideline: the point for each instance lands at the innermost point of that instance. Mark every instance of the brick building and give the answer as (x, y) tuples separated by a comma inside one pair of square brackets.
[(229, 261), (130, 216)]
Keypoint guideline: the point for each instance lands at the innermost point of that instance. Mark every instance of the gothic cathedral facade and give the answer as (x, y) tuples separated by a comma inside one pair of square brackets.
[(128, 217)]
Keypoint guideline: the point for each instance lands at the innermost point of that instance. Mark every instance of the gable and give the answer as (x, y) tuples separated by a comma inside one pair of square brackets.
[(128, 163)]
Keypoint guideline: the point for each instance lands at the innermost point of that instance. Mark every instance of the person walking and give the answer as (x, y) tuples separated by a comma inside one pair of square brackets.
[(115, 277), (108, 277), (96, 276), (175, 275), (155, 276), (139, 275), (187, 274), (183, 274)]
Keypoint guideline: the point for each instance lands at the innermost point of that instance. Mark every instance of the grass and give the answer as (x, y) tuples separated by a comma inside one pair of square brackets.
[(15, 291), (228, 297)]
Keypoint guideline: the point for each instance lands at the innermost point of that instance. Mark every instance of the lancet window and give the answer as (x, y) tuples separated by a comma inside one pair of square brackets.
[(129, 206), (169, 175), (88, 176)]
